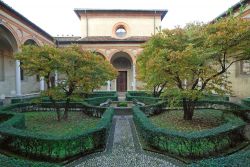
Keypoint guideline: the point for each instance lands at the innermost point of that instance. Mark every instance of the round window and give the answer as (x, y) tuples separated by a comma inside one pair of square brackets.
[(121, 32)]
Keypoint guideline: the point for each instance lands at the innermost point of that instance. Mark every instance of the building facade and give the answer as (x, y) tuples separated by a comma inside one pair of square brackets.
[(16, 30), (239, 73), (117, 36)]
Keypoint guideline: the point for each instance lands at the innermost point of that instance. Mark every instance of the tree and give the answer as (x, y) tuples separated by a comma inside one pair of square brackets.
[(194, 60), (79, 71), (41, 61)]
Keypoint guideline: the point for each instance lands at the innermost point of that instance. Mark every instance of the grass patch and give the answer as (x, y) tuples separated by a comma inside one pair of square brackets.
[(46, 123), (203, 119)]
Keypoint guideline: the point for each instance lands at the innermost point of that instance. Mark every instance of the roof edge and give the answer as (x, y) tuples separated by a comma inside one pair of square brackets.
[(27, 21), (86, 10), (234, 7)]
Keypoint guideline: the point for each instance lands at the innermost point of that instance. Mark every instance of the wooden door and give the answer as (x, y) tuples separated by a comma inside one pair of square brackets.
[(121, 81)]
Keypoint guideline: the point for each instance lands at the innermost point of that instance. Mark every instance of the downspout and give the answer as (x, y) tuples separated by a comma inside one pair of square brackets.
[(154, 22), (87, 24)]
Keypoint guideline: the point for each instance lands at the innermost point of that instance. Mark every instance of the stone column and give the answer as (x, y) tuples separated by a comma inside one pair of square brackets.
[(108, 86), (134, 77), (42, 84), (18, 78), (56, 77)]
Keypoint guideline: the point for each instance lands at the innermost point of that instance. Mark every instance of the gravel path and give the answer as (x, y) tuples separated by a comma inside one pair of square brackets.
[(123, 150)]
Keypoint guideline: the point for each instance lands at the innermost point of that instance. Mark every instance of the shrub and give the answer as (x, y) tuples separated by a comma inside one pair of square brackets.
[(122, 104), (241, 159), (17, 139), (14, 162), (246, 101), (190, 145)]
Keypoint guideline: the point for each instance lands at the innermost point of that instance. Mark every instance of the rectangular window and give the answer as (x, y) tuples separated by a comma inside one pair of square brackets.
[(1, 67), (245, 67)]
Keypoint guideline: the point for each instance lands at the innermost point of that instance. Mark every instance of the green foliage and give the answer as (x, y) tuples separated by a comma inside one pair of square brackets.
[(80, 71), (122, 104), (14, 162), (96, 101), (190, 62), (190, 145), (141, 96), (246, 101), (16, 138), (203, 119), (241, 159), (101, 94), (45, 123)]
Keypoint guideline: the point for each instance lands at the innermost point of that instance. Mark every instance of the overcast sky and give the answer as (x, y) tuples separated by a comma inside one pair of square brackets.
[(58, 18)]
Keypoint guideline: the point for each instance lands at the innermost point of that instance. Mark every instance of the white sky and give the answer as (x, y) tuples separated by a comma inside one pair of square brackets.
[(58, 18)]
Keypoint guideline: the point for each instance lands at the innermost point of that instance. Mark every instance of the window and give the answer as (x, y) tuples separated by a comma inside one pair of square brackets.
[(120, 32), (1, 66), (245, 67)]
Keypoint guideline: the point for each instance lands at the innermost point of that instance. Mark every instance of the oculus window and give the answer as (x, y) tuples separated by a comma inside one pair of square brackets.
[(120, 32)]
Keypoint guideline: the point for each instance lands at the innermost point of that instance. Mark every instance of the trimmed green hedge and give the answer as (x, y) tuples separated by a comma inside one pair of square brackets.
[(98, 94), (143, 97), (240, 110), (139, 93), (23, 99), (96, 101), (190, 145), (215, 97), (16, 139), (240, 159), (246, 101), (101, 94), (14, 162)]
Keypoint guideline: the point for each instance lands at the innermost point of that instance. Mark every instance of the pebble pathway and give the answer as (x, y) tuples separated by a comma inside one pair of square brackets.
[(123, 150)]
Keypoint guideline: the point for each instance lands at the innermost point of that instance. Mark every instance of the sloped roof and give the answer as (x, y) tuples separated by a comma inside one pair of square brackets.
[(100, 39), (20, 17), (162, 12), (234, 7)]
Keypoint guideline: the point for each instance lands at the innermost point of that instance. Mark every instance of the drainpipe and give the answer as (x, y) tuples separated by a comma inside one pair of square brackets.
[(87, 24), (154, 22)]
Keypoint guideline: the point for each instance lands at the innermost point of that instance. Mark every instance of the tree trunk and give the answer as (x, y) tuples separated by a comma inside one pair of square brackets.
[(57, 108), (188, 107), (65, 116)]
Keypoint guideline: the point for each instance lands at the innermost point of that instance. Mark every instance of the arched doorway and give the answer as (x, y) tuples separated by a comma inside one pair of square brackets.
[(8, 45), (123, 63)]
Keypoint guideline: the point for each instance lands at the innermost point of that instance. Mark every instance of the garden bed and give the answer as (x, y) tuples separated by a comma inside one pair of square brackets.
[(61, 146), (203, 119), (194, 145), (46, 123)]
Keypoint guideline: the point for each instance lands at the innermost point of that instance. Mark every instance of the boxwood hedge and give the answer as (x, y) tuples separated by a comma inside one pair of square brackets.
[(14, 162), (246, 101), (16, 139), (240, 159), (190, 145)]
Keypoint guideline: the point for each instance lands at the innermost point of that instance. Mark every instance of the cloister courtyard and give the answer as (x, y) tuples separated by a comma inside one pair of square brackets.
[(120, 95)]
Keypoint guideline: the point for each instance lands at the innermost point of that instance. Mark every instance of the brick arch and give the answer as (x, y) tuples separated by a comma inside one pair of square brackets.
[(125, 51), (14, 35), (32, 39), (99, 52)]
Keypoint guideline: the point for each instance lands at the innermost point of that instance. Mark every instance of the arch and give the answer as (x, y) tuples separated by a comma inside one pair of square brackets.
[(100, 54), (7, 40), (121, 60), (30, 42)]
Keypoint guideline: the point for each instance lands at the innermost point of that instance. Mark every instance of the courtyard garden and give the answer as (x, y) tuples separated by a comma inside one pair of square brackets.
[(184, 118)]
